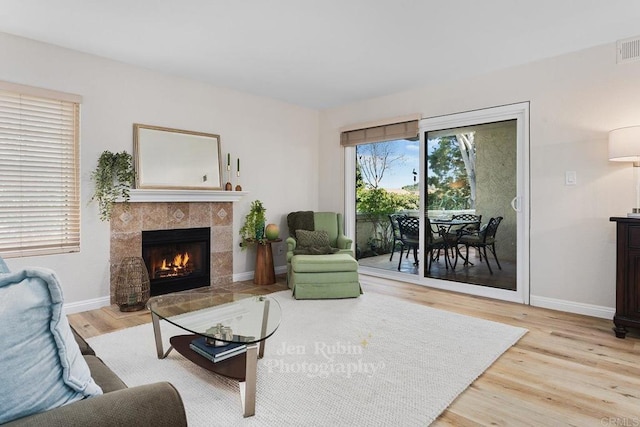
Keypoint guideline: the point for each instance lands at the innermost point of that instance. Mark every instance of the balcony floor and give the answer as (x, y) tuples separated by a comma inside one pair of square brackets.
[(475, 274)]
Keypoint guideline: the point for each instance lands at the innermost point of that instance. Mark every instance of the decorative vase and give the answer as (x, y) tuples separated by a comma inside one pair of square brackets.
[(271, 232), (260, 231), (132, 284)]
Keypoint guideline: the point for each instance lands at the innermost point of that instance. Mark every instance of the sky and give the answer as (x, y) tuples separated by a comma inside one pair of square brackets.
[(400, 173)]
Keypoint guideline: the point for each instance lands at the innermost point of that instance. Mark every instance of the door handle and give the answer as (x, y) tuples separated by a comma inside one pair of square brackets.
[(515, 204)]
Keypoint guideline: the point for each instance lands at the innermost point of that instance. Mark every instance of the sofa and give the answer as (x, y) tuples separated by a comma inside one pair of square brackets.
[(157, 404), (50, 376)]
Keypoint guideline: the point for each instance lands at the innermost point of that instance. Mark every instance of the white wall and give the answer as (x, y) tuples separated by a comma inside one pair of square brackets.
[(292, 159), (277, 143), (575, 100)]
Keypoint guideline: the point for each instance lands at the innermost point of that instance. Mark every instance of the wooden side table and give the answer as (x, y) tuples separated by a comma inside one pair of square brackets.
[(265, 273)]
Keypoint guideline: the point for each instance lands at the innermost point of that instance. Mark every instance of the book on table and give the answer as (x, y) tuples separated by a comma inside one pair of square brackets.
[(217, 354)]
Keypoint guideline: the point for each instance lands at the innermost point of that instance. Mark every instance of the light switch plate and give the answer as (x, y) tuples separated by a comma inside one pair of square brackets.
[(570, 178)]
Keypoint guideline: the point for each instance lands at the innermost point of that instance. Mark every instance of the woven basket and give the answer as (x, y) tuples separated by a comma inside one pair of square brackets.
[(132, 284)]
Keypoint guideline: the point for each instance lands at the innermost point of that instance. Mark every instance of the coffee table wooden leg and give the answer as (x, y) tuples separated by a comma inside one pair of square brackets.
[(248, 386)]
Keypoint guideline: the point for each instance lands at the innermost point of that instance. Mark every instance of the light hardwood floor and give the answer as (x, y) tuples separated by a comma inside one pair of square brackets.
[(568, 370)]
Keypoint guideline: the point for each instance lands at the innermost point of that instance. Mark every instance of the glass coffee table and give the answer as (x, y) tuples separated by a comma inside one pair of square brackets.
[(248, 319)]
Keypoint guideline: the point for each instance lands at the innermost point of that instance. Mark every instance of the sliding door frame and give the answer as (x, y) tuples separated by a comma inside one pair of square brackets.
[(520, 112)]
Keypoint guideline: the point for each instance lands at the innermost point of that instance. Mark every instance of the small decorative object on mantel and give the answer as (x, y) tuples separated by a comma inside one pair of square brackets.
[(132, 284), (228, 186), (113, 178), (252, 231), (238, 186)]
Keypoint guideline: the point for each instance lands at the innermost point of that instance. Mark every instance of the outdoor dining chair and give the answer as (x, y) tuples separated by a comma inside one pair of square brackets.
[(470, 228), (434, 242), (409, 228), (486, 238), (397, 240)]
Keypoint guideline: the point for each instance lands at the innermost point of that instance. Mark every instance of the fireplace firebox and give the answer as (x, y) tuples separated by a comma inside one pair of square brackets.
[(177, 259)]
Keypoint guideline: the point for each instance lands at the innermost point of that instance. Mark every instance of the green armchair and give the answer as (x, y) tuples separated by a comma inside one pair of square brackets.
[(330, 222), (320, 261)]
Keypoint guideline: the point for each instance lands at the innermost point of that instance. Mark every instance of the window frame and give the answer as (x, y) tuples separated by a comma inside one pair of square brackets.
[(48, 123)]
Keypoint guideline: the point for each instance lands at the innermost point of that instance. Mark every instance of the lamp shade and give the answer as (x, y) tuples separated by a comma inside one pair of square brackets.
[(624, 144)]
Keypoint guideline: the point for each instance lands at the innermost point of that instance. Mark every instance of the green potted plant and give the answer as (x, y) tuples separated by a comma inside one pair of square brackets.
[(113, 178), (252, 231)]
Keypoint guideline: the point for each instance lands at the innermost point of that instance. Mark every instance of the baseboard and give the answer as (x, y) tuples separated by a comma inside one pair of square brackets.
[(96, 303), (535, 301), (573, 307), (248, 275), (241, 277), (90, 304)]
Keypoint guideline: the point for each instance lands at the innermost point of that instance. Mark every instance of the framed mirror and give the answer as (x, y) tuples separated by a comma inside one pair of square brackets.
[(167, 158)]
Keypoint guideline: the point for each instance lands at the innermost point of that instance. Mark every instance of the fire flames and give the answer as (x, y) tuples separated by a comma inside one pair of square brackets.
[(179, 266)]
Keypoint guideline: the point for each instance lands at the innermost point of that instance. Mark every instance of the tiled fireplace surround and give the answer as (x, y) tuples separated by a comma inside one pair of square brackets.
[(127, 226)]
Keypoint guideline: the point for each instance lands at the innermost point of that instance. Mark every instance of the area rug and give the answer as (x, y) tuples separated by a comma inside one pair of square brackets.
[(374, 360)]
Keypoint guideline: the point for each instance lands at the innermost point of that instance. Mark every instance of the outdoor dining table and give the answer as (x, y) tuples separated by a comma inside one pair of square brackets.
[(445, 228)]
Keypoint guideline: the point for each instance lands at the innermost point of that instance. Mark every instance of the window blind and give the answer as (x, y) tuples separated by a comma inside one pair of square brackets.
[(383, 132), (39, 173)]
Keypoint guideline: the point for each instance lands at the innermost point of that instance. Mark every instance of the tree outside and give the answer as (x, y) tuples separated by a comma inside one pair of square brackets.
[(451, 181), (386, 182), (380, 167)]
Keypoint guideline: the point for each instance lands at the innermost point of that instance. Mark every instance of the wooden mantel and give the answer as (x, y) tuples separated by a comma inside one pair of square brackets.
[(159, 195)]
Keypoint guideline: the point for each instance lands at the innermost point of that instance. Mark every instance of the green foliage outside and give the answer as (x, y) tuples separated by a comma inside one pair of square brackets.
[(447, 187), (447, 183), (413, 187), (375, 205)]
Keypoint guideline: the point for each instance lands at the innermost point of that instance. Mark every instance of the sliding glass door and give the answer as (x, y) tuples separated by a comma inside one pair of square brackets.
[(471, 178), (476, 192), (473, 166)]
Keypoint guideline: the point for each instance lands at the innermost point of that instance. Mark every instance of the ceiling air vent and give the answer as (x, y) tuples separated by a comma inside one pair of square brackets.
[(628, 50)]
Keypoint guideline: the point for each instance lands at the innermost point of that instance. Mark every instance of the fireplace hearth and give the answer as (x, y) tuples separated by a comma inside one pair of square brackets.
[(177, 259)]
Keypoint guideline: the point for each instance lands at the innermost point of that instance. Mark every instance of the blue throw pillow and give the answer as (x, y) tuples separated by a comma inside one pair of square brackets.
[(41, 366)]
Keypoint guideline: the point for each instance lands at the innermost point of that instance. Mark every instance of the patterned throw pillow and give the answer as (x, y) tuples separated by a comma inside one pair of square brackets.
[(308, 239), (313, 243)]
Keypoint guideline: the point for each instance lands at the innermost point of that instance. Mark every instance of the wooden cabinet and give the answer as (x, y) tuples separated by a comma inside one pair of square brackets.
[(627, 275)]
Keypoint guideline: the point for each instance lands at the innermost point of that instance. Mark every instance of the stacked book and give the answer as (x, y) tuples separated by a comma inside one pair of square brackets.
[(217, 354)]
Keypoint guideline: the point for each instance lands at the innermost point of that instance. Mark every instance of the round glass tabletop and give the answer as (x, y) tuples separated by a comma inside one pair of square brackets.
[(223, 317)]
